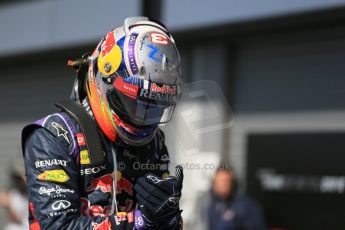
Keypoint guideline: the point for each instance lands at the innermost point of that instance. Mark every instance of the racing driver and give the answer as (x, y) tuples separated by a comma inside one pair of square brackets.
[(130, 86)]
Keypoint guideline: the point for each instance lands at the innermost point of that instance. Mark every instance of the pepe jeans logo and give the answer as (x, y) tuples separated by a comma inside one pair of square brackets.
[(55, 190), (61, 204)]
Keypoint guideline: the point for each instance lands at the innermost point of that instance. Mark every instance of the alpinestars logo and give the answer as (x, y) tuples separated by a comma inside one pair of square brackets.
[(60, 131), (154, 179)]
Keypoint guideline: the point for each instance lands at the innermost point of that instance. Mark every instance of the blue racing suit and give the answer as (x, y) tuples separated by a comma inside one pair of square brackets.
[(67, 192)]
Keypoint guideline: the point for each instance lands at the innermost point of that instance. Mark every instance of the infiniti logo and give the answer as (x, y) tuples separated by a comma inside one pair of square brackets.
[(61, 204)]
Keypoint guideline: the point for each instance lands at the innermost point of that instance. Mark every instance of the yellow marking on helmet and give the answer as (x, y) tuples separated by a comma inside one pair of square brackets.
[(110, 62)]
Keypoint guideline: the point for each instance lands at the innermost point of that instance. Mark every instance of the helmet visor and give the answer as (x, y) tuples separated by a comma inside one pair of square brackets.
[(143, 106)]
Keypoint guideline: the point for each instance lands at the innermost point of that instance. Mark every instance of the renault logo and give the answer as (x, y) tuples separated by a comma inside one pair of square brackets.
[(61, 204)]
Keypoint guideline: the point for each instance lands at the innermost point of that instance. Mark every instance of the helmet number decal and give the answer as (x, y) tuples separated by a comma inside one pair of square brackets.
[(158, 38)]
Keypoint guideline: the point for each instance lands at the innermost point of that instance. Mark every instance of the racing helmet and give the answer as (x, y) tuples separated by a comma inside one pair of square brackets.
[(134, 80)]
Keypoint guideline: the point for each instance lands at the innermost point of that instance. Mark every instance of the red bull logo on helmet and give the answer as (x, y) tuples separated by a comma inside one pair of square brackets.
[(108, 44), (163, 89), (110, 55), (103, 183)]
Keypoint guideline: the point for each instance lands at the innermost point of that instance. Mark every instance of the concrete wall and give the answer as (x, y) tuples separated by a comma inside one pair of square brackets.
[(41, 25), (183, 15)]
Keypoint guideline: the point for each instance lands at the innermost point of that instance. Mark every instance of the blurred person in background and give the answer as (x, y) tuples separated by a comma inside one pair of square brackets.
[(224, 209), (15, 200), (124, 90)]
